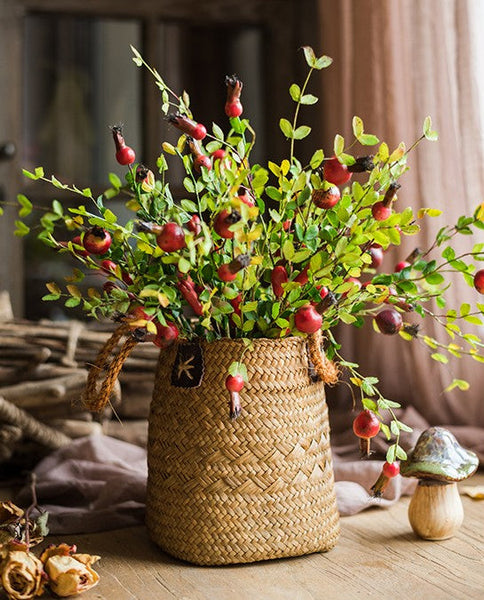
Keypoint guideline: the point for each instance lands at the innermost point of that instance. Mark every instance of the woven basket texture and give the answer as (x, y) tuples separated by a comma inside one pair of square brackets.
[(256, 488)]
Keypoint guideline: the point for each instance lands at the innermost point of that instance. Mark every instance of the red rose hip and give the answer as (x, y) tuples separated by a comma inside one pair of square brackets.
[(336, 172), (389, 321), (307, 319), (171, 237), (479, 281), (366, 426)]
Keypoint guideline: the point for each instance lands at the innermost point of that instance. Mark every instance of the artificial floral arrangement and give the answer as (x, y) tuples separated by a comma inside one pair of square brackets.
[(272, 251), (25, 575)]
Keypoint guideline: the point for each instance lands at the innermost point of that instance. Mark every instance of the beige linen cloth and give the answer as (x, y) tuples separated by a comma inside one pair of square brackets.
[(99, 483)]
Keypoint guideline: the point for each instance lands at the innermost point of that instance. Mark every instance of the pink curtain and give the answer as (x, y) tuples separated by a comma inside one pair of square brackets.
[(395, 62)]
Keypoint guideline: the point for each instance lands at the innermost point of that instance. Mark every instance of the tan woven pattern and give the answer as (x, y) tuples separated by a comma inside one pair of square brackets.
[(260, 487)]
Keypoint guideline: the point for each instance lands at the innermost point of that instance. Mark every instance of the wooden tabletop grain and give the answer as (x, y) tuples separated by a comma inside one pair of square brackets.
[(378, 556)]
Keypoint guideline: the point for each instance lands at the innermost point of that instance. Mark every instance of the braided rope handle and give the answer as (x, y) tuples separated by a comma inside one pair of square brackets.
[(94, 398), (326, 369)]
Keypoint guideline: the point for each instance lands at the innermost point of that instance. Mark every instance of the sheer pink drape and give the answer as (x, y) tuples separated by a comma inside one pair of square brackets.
[(394, 63)]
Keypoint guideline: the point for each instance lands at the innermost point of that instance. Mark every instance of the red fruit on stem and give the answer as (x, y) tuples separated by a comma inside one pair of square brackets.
[(126, 156), (128, 280), (233, 106), (234, 383), (194, 225), (78, 242), (228, 271), (171, 237), (278, 277), (381, 212), (219, 154), (479, 281), (225, 274), (389, 470), (195, 130), (109, 266), (335, 172), (323, 291), (389, 321), (307, 319), (287, 225), (187, 290), (200, 161), (366, 426), (223, 221), (166, 335), (245, 197), (326, 198), (376, 254), (233, 109), (303, 278), (235, 302), (403, 264), (97, 240)]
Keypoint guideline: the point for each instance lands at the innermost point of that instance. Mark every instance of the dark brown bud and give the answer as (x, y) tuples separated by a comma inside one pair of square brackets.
[(362, 164), (390, 193)]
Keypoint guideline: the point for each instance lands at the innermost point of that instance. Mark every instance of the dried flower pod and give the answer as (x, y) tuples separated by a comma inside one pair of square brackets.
[(69, 573), (22, 574)]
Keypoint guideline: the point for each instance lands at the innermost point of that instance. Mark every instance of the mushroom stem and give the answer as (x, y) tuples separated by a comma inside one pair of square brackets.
[(435, 511)]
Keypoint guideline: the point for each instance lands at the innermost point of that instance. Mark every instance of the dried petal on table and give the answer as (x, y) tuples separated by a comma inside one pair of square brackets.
[(22, 574)]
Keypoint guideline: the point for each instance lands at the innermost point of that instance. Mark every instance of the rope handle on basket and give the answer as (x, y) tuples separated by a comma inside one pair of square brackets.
[(326, 369), (96, 399)]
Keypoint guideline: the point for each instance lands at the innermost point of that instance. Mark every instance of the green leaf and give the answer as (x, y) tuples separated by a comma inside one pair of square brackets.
[(295, 92), (309, 99), (309, 55), (21, 229), (322, 62), (367, 139), (458, 383), (427, 130), (357, 124), (301, 132), (440, 358), (286, 128), (50, 297), (72, 302), (25, 204), (391, 453), (400, 453), (339, 144), (316, 159)]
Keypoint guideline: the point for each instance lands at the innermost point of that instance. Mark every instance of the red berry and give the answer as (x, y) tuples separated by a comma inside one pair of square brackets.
[(195, 130), (376, 254), (381, 212), (287, 225), (223, 221), (326, 198), (97, 240), (235, 302), (307, 319), (225, 273), (109, 266), (366, 425), (125, 155), (303, 278), (403, 264), (77, 241), (171, 237), (335, 172), (323, 291), (128, 280), (391, 469), (233, 109), (200, 161), (219, 154), (234, 383), (389, 321), (245, 197), (278, 277), (193, 225), (479, 281), (165, 335)]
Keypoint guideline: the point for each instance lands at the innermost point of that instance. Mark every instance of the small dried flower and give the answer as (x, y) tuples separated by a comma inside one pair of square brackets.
[(22, 573), (69, 573)]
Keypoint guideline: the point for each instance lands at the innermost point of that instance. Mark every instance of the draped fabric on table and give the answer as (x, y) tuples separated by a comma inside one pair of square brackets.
[(395, 62)]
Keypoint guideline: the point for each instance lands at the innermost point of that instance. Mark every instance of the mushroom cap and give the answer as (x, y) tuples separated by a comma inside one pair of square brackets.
[(439, 456)]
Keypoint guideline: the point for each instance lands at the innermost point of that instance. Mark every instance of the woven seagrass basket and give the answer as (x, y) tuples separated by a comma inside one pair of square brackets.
[(256, 488)]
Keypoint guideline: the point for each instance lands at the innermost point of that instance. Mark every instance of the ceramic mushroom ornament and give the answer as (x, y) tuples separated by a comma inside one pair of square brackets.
[(438, 461)]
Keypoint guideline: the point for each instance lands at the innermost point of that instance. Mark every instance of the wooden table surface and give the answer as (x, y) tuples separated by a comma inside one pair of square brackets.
[(378, 556)]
